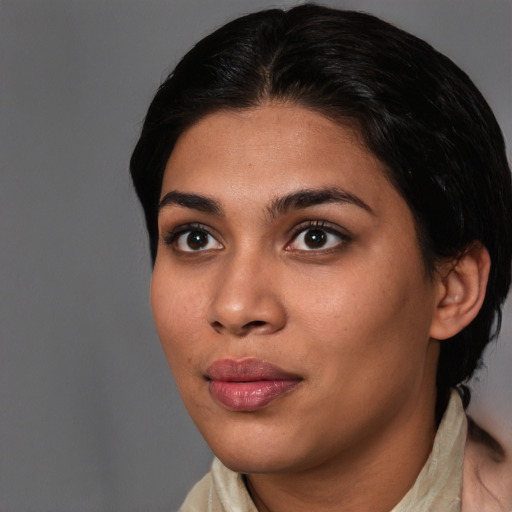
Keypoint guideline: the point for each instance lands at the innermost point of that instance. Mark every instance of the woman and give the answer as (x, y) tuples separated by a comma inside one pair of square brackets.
[(328, 202)]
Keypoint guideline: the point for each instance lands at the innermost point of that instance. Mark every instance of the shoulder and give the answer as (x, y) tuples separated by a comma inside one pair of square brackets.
[(487, 479)]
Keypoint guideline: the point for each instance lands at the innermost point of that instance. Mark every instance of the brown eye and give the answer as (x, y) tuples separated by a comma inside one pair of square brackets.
[(197, 240), (194, 240), (315, 238)]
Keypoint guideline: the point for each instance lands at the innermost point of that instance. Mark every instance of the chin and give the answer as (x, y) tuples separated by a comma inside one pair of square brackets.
[(242, 461), (255, 448)]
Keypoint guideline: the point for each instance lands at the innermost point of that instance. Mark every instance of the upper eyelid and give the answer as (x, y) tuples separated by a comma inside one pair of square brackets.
[(344, 237), (168, 235), (172, 233), (174, 240), (318, 224)]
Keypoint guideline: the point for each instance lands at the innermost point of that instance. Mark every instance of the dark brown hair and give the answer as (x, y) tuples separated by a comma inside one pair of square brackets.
[(418, 112)]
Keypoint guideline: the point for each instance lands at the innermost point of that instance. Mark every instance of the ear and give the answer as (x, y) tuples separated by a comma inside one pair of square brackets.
[(462, 286)]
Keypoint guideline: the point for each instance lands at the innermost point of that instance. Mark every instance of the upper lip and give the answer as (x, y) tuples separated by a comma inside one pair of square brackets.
[(246, 370)]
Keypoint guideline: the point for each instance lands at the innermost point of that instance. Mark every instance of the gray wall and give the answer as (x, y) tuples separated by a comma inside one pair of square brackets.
[(90, 419)]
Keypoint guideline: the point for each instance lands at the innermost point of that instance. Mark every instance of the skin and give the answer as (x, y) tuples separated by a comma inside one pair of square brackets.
[(487, 484), (352, 319), (489, 471), (487, 481)]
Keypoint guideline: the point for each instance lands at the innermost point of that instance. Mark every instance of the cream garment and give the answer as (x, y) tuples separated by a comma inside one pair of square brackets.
[(437, 488)]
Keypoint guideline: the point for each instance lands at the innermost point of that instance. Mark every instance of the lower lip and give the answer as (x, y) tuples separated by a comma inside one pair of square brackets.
[(249, 396)]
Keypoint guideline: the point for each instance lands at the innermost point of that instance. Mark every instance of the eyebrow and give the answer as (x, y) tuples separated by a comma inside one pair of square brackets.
[(297, 200), (192, 201), (306, 198)]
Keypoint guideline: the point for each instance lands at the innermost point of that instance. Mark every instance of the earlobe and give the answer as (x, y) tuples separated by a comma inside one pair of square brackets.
[(462, 285)]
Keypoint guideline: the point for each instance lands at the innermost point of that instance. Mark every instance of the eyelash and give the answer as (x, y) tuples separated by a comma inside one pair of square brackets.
[(172, 237), (319, 225)]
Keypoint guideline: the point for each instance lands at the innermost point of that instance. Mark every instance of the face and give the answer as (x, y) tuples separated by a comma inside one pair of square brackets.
[(289, 292)]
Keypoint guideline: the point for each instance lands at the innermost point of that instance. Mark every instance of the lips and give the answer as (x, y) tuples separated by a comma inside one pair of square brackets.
[(247, 384)]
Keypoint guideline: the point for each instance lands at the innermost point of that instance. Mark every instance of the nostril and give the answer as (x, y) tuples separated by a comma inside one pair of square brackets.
[(255, 323), (241, 330), (216, 325)]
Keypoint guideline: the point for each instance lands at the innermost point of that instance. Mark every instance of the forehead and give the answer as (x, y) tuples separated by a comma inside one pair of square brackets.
[(269, 150)]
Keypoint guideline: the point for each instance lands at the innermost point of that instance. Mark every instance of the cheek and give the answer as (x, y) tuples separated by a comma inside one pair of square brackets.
[(178, 308), (373, 312), (346, 296)]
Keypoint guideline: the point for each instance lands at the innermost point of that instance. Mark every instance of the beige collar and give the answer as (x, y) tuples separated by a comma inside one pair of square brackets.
[(437, 488), (439, 484)]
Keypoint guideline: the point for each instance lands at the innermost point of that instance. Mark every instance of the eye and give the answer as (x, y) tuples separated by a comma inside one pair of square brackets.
[(316, 237), (193, 239)]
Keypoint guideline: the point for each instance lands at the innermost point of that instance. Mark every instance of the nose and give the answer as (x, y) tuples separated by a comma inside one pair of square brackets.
[(246, 298)]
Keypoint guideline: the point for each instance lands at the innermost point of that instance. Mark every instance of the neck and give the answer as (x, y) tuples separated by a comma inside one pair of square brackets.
[(373, 475)]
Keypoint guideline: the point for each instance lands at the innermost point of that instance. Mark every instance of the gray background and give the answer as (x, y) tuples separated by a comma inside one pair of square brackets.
[(90, 419)]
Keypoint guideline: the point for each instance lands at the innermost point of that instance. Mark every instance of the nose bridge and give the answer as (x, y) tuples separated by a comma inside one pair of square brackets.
[(245, 298)]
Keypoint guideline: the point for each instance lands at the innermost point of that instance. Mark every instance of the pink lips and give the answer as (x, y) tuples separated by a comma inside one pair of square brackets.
[(247, 384)]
